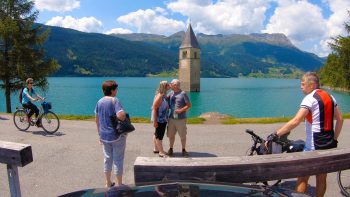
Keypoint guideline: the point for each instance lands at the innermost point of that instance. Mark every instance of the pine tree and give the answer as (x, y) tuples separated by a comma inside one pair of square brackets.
[(336, 72), (21, 48)]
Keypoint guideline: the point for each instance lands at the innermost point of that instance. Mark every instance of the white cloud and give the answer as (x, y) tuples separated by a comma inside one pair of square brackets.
[(149, 21), (85, 24), (160, 10), (335, 23), (299, 21), (118, 31), (225, 16), (57, 5), (305, 25)]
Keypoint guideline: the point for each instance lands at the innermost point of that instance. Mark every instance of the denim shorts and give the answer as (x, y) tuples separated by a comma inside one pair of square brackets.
[(114, 154)]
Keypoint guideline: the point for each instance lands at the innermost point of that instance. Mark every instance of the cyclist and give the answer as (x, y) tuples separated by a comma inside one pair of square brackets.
[(28, 96), (319, 109)]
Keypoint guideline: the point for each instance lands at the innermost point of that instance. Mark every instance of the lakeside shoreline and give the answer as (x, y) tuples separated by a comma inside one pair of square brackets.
[(206, 118)]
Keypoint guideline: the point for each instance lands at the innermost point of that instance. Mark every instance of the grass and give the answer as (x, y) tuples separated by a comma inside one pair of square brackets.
[(346, 116), (195, 120), (76, 117), (140, 120), (233, 120)]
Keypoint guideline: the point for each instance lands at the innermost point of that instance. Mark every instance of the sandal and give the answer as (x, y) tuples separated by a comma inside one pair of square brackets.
[(156, 151), (163, 155)]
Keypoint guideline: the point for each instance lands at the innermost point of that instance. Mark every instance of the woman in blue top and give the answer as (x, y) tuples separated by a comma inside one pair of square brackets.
[(28, 96), (160, 109), (113, 144)]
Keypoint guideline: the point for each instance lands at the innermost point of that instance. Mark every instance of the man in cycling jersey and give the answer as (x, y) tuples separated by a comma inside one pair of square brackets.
[(28, 96), (319, 109)]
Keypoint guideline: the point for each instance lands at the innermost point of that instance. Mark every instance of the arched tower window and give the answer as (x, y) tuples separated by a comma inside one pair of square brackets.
[(184, 54), (195, 55)]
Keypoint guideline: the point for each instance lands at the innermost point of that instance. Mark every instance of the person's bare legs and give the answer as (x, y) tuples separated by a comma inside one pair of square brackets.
[(302, 184), (321, 185), (119, 180), (159, 145), (155, 148), (108, 179)]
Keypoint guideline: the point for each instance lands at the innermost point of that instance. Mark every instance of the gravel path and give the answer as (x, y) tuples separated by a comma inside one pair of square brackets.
[(72, 159)]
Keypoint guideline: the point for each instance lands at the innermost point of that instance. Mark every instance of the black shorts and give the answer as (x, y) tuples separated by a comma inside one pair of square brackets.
[(160, 130), (324, 140)]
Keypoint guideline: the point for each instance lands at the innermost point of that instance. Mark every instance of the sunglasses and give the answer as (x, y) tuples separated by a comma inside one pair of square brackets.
[(30, 83)]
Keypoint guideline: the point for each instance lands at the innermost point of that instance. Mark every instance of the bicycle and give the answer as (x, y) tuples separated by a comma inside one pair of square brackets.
[(283, 144), (343, 179), (49, 120)]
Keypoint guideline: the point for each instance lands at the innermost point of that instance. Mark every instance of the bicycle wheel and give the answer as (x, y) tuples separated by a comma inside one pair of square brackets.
[(50, 122), (343, 178), (21, 120)]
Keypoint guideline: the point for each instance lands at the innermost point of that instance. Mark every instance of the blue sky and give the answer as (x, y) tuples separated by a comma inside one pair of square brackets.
[(309, 24)]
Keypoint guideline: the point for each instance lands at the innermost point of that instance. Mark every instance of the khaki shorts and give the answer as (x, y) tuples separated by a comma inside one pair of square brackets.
[(177, 125)]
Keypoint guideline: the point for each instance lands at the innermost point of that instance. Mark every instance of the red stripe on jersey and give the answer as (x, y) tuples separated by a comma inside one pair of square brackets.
[(328, 110), (309, 117)]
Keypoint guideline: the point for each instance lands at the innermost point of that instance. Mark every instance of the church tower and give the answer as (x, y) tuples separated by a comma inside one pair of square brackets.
[(189, 62)]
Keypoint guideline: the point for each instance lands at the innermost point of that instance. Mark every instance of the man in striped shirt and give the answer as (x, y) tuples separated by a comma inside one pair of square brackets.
[(318, 109)]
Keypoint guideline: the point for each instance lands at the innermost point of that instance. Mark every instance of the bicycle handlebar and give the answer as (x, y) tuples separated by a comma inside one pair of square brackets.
[(251, 132)]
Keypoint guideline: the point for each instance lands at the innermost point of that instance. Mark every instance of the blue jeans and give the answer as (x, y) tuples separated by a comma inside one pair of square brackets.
[(114, 153)]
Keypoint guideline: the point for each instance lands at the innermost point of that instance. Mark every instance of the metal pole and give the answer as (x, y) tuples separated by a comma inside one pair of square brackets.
[(15, 189)]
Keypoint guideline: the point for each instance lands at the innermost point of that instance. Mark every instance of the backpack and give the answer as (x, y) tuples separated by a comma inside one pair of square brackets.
[(20, 96)]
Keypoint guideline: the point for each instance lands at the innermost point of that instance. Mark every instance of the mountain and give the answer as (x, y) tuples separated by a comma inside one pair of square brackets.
[(93, 54), (235, 54)]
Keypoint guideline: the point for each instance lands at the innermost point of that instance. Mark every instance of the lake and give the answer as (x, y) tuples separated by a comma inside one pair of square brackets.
[(239, 97)]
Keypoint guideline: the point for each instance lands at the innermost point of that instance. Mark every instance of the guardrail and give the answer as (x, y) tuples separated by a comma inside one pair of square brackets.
[(240, 169), (14, 155)]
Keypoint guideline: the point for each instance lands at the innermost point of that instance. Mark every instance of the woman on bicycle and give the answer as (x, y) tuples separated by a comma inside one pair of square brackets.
[(28, 96)]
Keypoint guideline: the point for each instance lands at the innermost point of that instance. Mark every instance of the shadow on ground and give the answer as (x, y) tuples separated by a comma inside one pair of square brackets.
[(43, 133), (3, 118)]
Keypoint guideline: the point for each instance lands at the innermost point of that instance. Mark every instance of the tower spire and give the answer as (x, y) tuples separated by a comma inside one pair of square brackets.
[(190, 39)]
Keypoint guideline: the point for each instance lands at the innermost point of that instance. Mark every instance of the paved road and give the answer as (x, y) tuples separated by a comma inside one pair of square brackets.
[(72, 159)]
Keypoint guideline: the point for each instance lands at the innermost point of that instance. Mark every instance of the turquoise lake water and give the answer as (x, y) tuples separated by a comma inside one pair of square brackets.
[(235, 96)]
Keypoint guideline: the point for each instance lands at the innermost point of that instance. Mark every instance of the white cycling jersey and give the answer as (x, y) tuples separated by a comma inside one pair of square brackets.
[(319, 120)]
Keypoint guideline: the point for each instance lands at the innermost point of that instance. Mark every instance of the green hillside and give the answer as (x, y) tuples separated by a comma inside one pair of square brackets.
[(91, 54), (241, 55), (259, 55)]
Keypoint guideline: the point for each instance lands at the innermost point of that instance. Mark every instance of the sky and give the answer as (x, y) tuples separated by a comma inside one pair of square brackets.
[(309, 24)]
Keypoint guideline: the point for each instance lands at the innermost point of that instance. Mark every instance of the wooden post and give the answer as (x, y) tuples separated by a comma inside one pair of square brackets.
[(12, 173), (240, 169), (14, 155)]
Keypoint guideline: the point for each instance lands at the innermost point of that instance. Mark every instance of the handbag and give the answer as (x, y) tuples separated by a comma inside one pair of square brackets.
[(121, 126), (124, 126)]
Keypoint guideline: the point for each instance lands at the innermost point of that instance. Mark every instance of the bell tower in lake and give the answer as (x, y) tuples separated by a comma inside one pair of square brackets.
[(189, 62)]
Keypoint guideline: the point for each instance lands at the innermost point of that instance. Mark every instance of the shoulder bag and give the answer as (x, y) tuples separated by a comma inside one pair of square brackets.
[(121, 126)]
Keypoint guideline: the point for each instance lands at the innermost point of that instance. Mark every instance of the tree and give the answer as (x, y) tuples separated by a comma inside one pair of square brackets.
[(336, 72), (21, 48)]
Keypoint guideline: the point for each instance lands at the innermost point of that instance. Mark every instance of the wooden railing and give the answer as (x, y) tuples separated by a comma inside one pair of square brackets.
[(240, 169), (14, 155)]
